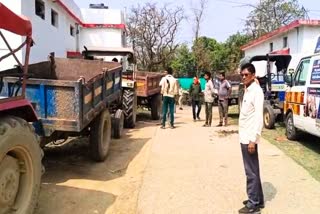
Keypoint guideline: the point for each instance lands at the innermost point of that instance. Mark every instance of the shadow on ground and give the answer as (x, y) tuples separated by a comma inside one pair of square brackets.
[(73, 161), (55, 199), (74, 183), (269, 191)]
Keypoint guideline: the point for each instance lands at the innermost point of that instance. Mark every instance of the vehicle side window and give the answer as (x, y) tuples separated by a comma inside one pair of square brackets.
[(302, 72)]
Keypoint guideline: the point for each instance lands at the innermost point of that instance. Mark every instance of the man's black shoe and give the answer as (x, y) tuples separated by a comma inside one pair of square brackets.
[(261, 205), (162, 127), (172, 127), (254, 210), (219, 125)]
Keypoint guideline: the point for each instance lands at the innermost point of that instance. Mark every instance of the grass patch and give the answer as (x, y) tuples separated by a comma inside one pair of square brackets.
[(305, 151), (233, 115)]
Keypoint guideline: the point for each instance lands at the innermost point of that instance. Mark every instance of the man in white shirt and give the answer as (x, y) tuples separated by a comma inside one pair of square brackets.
[(169, 89), (250, 128), (208, 98)]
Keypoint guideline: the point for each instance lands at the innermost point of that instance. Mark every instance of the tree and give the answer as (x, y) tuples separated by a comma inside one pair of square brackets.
[(183, 62), (198, 48), (153, 30), (269, 15), (234, 53)]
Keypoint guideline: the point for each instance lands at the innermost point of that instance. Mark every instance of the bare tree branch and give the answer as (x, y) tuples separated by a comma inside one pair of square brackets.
[(154, 30)]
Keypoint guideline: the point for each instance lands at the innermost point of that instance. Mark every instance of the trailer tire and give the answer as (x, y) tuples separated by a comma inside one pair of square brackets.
[(269, 118), (20, 166), (100, 136), (117, 124), (291, 131), (156, 103), (129, 104)]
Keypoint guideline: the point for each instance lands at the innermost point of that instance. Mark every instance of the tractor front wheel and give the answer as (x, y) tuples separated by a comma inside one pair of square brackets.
[(20, 166)]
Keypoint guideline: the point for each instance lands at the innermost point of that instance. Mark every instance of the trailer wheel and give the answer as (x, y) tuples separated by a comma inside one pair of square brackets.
[(156, 104), (269, 117), (129, 108), (100, 136), (20, 166), (291, 130), (117, 124)]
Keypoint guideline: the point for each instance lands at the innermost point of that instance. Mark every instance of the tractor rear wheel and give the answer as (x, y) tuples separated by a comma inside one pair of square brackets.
[(129, 104), (20, 166), (117, 124), (156, 107), (100, 136)]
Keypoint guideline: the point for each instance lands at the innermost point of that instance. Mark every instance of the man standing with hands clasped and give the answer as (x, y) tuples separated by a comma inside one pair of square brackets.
[(250, 127), (224, 93)]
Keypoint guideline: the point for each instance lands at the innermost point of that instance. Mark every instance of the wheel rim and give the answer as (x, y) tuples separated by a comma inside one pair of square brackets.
[(16, 181), (266, 118)]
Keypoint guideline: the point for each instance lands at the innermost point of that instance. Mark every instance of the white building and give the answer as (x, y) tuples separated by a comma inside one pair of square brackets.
[(60, 26), (298, 39)]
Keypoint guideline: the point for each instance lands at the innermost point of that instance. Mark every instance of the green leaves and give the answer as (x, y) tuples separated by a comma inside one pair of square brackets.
[(207, 54), (272, 14)]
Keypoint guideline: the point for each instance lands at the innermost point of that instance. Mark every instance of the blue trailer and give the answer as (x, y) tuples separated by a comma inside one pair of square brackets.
[(74, 97)]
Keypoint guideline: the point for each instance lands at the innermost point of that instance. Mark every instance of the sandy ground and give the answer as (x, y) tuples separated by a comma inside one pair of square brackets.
[(73, 183), (190, 169)]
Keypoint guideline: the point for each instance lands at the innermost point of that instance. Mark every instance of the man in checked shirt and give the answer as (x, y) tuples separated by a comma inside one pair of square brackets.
[(250, 127)]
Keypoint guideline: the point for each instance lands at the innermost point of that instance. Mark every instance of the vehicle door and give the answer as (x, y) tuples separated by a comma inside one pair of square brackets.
[(312, 98), (296, 95)]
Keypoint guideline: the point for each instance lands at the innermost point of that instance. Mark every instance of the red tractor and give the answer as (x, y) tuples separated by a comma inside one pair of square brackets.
[(20, 153)]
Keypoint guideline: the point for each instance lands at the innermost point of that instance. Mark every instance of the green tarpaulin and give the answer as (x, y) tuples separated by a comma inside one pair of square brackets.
[(185, 82)]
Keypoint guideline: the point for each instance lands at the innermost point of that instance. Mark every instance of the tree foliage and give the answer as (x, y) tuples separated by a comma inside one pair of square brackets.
[(153, 30), (269, 15), (183, 61), (213, 55)]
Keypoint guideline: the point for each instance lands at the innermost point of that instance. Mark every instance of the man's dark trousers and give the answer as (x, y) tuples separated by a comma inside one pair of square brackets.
[(208, 113), (223, 110), (168, 102), (196, 104), (251, 166)]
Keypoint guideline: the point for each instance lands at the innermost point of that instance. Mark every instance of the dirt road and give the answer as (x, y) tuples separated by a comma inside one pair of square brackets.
[(75, 184), (187, 170)]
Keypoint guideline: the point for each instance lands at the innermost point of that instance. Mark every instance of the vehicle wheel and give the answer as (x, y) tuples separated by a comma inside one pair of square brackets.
[(156, 104), (291, 131), (269, 117), (129, 103), (100, 136), (20, 166), (117, 124)]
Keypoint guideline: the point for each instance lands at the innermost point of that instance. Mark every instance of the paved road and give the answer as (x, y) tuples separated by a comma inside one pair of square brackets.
[(195, 170)]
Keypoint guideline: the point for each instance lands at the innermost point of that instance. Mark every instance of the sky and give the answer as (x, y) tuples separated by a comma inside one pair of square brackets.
[(222, 18)]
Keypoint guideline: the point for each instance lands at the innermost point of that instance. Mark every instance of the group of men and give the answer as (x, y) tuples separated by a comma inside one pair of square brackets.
[(250, 120), (221, 91)]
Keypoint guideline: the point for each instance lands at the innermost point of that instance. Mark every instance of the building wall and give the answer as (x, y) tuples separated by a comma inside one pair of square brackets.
[(310, 37), (57, 39), (264, 48), (49, 38), (99, 16), (101, 37), (301, 41)]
